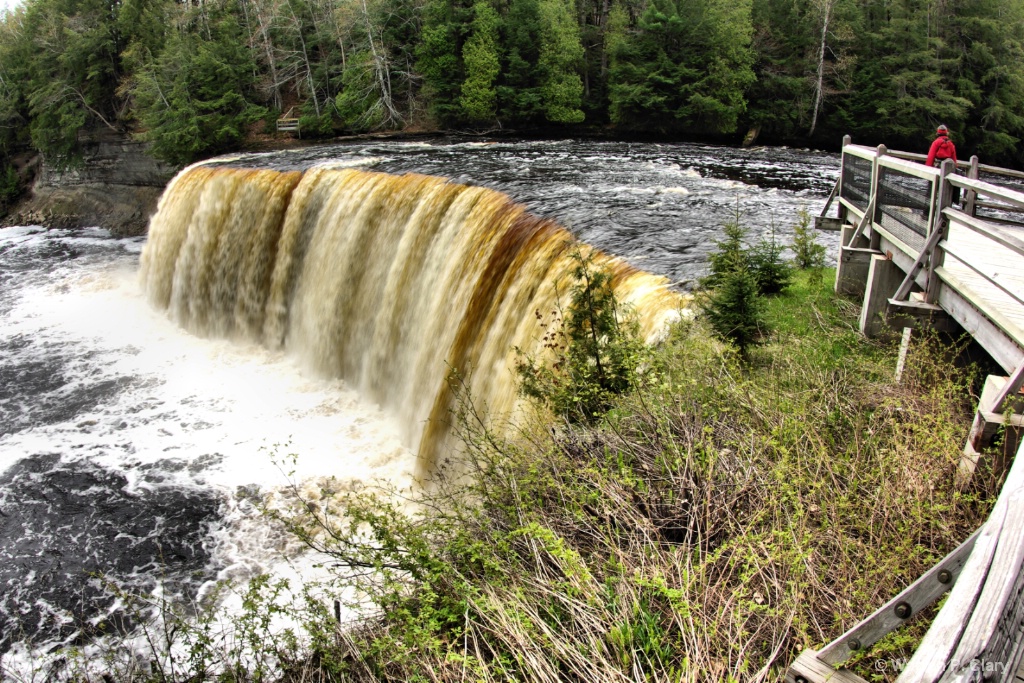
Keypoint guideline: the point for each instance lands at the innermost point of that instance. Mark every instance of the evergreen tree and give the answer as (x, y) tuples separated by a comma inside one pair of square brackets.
[(558, 61), (193, 98), (520, 99), (685, 68), (735, 309), (480, 56), (771, 273)]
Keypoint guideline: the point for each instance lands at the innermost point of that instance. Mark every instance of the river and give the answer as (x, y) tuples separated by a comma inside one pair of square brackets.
[(132, 452)]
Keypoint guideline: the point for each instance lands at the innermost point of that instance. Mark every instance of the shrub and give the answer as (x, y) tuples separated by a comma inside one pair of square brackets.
[(772, 274), (596, 345), (735, 309), (807, 253)]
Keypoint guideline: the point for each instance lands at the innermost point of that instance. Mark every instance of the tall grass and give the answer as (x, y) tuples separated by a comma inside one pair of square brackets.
[(716, 522)]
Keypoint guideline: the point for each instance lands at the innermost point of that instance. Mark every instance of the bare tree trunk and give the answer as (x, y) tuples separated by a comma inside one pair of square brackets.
[(268, 49), (381, 72), (825, 7), (305, 59)]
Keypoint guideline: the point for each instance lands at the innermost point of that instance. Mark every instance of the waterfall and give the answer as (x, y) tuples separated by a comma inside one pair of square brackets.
[(389, 282)]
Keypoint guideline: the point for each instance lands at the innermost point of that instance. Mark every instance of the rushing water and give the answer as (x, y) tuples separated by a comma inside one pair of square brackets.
[(131, 450)]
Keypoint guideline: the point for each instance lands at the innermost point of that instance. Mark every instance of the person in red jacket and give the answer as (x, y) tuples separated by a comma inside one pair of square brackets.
[(942, 148)]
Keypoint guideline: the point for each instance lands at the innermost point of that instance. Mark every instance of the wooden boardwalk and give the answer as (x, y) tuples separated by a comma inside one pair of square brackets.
[(929, 247)]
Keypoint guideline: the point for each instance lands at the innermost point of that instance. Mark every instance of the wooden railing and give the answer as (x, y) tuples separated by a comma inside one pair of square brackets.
[(977, 635), (893, 210)]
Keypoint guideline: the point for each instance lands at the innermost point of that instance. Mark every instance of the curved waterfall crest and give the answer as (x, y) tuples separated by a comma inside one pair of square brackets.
[(389, 282)]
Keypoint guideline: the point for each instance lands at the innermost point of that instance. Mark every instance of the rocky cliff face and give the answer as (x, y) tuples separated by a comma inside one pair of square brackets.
[(116, 186)]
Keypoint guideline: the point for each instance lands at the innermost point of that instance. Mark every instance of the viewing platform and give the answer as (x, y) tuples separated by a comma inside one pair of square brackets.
[(944, 248)]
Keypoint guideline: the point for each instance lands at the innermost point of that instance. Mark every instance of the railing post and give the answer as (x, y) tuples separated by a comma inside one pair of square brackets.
[(847, 140), (874, 204), (971, 196), (943, 199)]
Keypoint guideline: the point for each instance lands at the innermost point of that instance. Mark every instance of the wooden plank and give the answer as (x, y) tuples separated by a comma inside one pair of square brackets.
[(1012, 386), (807, 668), (995, 279), (936, 652), (917, 596), (989, 190), (933, 655), (1003, 349), (986, 229), (918, 170), (861, 151), (1001, 207), (992, 633), (929, 245), (996, 317)]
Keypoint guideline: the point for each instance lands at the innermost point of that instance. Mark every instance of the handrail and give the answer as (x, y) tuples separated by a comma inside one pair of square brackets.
[(977, 631)]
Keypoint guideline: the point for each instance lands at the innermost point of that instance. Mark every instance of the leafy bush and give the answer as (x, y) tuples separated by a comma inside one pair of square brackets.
[(10, 188)]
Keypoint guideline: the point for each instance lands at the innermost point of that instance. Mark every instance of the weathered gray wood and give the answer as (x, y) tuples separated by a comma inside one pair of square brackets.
[(994, 279), (993, 631), (940, 224), (997, 343), (918, 595), (964, 621), (932, 656), (908, 282), (918, 170), (1012, 386), (989, 190), (989, 230), (1001, 207), (807, 668), (971, 197), (975, 323)]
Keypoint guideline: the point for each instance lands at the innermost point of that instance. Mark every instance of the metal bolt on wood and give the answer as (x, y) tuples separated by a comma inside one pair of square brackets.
[(945, 576), (853, 644), (903, 610)]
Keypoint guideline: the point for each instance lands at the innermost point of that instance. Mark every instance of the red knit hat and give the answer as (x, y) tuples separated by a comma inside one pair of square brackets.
[(942, 130)]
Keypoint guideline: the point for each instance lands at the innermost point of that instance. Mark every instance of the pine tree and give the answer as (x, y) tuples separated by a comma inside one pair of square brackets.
[(735, 309), (480, 56)]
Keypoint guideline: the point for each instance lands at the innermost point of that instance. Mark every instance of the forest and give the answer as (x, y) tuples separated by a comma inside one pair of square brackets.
[(203, 76)]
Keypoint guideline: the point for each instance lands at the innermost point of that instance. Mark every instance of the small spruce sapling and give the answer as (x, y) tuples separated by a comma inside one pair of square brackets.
[(807, 253), (733, 305), (596, 345), (773, 274)]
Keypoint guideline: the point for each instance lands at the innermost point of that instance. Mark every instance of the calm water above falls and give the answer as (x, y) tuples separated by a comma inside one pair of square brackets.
[(130, 448)]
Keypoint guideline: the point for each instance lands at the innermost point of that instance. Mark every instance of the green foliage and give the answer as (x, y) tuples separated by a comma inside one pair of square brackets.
[(730, 255), (560, 55), (735, 309), (597, 352), (771, 273), (480, 54), (710, 527), (193, 95), (10, 188), (686, 67)]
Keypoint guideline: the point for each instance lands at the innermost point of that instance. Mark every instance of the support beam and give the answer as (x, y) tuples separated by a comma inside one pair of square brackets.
[(919, 316), (987, 424), (809, 669), (884, 277)]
